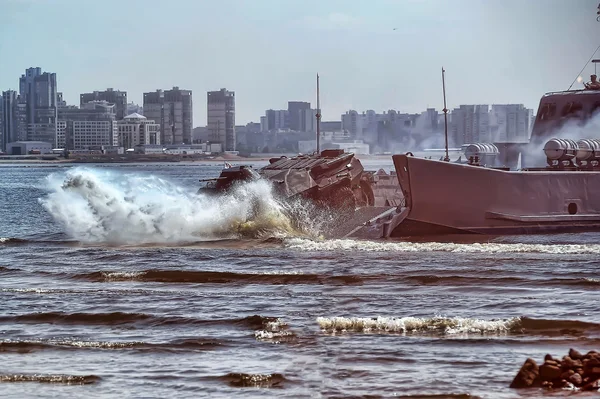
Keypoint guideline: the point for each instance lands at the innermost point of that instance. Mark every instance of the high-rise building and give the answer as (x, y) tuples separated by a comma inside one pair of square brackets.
[(470, 124), (172, 110), (136, 129), (9, 118), (277, 119), (510, 123), (117, 97), (295, 114), (21, 120), (92, 125), (308, 120), (221, 118), (264, 124), (38, 92), (353, 122)]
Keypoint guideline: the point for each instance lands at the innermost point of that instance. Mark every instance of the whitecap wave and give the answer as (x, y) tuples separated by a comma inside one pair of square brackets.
[(438, 324), (303, 244)]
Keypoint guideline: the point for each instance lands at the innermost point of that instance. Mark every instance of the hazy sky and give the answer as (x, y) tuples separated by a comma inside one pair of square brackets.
[(268, 51)]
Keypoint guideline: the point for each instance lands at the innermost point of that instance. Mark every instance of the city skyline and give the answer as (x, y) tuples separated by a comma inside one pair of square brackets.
[(380, 55)]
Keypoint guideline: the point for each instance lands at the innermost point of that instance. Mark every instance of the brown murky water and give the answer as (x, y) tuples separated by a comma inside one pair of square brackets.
[(134, 287)]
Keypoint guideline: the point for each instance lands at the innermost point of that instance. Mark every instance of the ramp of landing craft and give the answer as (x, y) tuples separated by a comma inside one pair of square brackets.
[(367, 222)]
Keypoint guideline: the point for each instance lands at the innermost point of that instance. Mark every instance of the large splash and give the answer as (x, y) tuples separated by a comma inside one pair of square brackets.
[(112, 207)]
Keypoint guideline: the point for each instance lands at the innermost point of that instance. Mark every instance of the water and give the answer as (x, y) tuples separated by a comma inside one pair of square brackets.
[(127, 284)]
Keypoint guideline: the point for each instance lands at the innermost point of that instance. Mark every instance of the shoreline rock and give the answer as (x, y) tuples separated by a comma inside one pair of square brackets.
[(574, 371)]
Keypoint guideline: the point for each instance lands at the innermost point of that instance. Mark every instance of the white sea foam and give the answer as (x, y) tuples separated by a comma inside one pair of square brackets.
[(274, 331), (112, 207), (117, 276), (445, 325), (76, 343), (303, 244)]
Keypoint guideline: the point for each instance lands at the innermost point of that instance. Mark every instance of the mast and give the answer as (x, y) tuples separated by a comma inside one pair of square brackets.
[(318, 115), (446, 158)]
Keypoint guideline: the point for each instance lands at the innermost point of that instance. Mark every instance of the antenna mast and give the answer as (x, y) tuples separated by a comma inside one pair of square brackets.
[(446, 158), (318, 115)]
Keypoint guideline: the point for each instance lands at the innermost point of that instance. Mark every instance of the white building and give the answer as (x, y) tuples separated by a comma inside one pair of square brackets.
[(92, 125), (148, 149), (503, 123), (27, 147), (94, 133), (194, 149), (470, 124), (353, 122), (510, 123), (136, 129)]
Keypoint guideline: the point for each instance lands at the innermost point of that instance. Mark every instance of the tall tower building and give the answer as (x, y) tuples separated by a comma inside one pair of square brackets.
[(172, 110), (470, 124), (221, 118), (296, 114), (119, 98), (8, 117), (277, 119), (38, 92), (510, 123)]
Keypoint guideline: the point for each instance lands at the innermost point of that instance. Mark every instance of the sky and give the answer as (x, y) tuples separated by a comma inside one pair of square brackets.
[(375, 54)]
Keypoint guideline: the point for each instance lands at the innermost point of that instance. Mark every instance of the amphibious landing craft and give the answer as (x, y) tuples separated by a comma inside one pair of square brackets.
[(559, 192)]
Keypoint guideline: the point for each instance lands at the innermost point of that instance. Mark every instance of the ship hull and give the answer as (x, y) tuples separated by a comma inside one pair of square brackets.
[(450, 198)]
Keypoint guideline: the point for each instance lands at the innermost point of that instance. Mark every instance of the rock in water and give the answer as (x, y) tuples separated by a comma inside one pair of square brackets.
[(527, 376), (575, 355), (574, 372)]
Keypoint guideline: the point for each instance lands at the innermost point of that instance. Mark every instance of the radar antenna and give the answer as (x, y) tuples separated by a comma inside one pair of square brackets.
[(594, 53), (446, 158)]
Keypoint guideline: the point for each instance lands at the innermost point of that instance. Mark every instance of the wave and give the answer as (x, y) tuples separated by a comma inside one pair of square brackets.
[(51, 378), (110, 207), (214, 277), (254, 322), (303, 244), (284, 278), (12, 240), (457, 280), (275, 331), (241, 380), (457, 325), (28, 346)]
